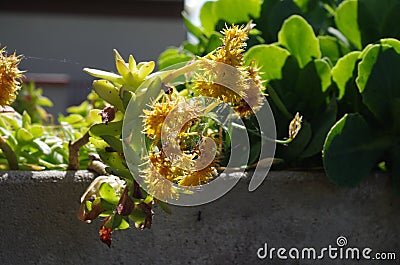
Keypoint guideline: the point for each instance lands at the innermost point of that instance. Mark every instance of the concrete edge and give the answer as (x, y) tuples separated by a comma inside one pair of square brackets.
[(284, 176)]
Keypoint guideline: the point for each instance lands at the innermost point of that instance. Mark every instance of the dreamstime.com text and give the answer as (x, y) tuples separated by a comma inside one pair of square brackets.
[(339, 251)]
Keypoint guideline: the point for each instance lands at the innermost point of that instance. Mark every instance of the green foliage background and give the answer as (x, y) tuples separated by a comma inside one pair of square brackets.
[(336, 62)]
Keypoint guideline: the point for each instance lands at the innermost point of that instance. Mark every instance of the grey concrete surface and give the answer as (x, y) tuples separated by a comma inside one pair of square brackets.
[(291, 209)]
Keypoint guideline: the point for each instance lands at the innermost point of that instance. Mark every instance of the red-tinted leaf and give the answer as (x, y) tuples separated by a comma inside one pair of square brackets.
[(125, 204), (107, 114), (137, 193), (148, 210)]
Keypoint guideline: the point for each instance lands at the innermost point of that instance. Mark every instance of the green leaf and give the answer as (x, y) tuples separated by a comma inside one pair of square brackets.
[(351, 150), (26, 120), (298, 37), (122, 173), (42, 146), (270, 59), (342, 72), (112, 128), (173, 56), (107, 206), (320, 128), (234, 11), (24, 136), (37, 130), (113, 159), (207, 17), (230, 11), (392, 42), (71, 119), (346, 21), (124, 224), (104, 75), (114, 142), (378, 81), (147, 94), (127, 96), (44, 101), (137, 216), (273, 14), (332, 48), (214, 41), (107, 193), (107, 91), (324, 73), (302, 4), (191, 28)]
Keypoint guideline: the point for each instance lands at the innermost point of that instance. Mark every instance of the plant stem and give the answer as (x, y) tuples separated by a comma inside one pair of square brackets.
[(10, 155), (180, 71), (73, 159)]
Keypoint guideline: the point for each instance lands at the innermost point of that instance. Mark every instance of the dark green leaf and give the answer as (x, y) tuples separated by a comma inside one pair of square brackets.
[(351, 150), (112, 128), (122, 173), (214, 42), (320, 128), (378, 80), (113, 159), (293, 150), (114, 142)]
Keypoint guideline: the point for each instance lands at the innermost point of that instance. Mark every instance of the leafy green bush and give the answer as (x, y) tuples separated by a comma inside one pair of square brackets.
[(39, 144), (333, 62), (368, 83)]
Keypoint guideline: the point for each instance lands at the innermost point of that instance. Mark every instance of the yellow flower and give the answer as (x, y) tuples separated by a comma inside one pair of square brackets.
[(10, 77), (241, 88), (233, 45), (154, 118), (158, 186), (164, 167), (199, 177)]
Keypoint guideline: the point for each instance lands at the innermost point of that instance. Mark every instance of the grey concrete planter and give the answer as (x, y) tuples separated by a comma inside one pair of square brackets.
[(291, 209)]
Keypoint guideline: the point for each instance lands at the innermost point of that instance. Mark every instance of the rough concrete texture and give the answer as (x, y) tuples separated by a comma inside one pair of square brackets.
[(291, 209)]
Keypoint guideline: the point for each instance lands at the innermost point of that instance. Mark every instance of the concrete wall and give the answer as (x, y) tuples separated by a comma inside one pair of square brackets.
[(57, 43), (291, 209)]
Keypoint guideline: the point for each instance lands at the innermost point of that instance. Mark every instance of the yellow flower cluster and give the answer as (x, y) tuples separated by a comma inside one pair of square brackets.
[(154, 118), (245, 95), (10, 77), (222, 75), (179, 170)]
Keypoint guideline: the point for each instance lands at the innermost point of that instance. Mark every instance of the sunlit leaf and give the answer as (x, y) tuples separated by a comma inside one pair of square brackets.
[(298, 37)]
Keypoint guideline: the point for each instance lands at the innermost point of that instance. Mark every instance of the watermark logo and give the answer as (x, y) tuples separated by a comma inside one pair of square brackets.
[(340, 251), (136, 147)]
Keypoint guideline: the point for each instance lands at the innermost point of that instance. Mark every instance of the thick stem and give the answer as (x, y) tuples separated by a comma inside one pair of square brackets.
[(10, 155), (73, 160)]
